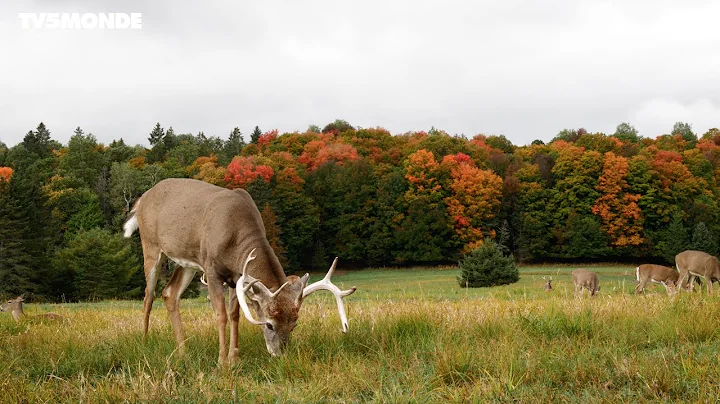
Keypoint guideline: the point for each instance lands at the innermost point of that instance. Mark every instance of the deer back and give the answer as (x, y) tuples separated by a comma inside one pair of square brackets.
[(209, 225)]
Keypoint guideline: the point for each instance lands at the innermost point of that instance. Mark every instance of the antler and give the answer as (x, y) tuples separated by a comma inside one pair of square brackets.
[(326, 284), (242, 289)]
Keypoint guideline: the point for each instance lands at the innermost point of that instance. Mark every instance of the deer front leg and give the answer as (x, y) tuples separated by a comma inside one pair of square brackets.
[(234, 352), (179, 281), (215, 292)]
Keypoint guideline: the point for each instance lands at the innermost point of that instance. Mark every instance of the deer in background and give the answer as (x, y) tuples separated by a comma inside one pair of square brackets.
[(691, 263), (548, 284), (584, 279), (668, 277), (14, 306), (203, 227)]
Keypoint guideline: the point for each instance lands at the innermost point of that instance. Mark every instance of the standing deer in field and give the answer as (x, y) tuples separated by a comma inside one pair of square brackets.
[(584, 279), (668, 277), (14, 306), (219, 231), (548, 284), (697, 263)]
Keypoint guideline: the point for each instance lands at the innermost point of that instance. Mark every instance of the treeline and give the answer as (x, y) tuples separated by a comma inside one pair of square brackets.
[(369, 197)]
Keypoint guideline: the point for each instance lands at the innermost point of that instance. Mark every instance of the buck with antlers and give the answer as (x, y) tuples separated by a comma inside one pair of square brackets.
[(668, 277), (14, 306), (584, 279), (548, 284), (694, 264), (219, 231)]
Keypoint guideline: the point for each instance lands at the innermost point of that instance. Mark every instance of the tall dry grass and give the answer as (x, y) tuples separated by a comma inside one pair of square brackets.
[(422, 340)]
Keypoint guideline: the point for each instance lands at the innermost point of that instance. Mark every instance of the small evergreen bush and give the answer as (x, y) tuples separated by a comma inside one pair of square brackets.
[(487, 266)]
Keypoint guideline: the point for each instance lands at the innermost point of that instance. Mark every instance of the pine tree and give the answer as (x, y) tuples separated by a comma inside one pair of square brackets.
[(674, 239), (703, 240), (504, 243), (487, 266), (256, 133), (157, 140), (39, 142), (157, 135), (232, 146), (15, 261)]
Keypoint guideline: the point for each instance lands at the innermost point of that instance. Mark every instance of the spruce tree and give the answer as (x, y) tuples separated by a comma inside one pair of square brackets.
[(232, 146), (703, 240), (487, 266), (256, 133)]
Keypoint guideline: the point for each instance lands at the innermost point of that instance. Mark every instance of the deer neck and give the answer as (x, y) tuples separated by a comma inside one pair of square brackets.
[(266, 267), (18, 314)]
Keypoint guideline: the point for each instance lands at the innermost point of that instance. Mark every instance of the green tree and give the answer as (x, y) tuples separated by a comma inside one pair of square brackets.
[(673, 239), (83, 159), (157, 143), (255, 135), (3, 153), (583, 238), (626, 132), (157, 135), (703, 240), (487, 266), (16, 263), (339, 126), (39, 142), (500, 142), (685, 130), (232, 147), (126, 184), (98, 263)]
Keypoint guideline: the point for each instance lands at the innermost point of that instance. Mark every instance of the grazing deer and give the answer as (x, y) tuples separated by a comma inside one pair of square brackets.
[(697, 263), (219, 231), (584, 279), (668, 277), (548, 284), (14, 306)]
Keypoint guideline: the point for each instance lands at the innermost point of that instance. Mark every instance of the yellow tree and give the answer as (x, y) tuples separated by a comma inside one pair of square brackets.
[(618, 209)]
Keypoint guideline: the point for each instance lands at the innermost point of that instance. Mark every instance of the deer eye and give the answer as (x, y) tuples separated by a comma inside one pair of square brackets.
[(269, 326)]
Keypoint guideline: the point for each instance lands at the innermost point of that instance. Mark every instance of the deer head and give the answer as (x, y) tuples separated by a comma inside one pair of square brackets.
[(277, 312)]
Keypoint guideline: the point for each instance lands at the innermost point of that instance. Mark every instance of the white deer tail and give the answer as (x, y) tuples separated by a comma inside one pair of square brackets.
[(132, 223)]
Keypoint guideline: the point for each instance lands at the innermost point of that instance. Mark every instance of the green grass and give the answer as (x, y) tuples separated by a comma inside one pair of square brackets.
[(415, 336)]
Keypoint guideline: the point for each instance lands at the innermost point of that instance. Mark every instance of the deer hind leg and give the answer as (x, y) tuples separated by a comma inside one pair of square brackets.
[(179, 281), (153, 261), (234, 309), (641, 286)]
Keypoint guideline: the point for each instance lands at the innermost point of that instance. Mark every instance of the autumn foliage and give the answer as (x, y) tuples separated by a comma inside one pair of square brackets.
[(244, 170), (6, 174), (618, 209)]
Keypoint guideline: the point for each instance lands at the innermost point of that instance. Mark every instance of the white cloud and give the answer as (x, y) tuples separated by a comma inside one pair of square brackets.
[(517, 67)]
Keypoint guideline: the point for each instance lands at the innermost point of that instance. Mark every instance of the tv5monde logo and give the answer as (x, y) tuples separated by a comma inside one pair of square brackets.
[(80, 21)]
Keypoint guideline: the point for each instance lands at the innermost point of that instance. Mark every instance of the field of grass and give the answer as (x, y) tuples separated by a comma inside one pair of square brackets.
[(415, 336)]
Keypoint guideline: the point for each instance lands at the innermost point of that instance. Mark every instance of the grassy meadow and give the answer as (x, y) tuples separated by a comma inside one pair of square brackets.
[(415, 336)]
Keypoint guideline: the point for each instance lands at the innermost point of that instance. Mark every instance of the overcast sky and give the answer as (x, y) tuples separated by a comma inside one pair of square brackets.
[(510, 67)]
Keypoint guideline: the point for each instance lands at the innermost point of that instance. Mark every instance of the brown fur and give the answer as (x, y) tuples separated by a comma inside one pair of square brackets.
[(691, 264), (584, 279), (656, 273), (217, 228)]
